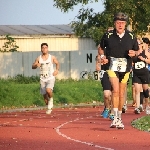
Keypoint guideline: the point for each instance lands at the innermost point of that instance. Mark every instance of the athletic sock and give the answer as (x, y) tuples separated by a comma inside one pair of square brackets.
[(115, 111), (119, 114), (50, 103)]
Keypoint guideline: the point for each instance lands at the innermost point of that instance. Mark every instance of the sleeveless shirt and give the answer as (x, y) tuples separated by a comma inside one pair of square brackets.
[(140, 67), (46, 69)]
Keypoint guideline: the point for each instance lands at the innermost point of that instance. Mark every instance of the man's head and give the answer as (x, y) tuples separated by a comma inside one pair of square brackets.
[(44, 48), (120, 21)]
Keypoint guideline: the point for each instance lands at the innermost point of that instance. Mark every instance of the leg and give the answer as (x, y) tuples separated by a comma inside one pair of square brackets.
[(106, 92), (133, 96), (137, 97), (115, 90), (146, 95), (115, 94), (124, 108), (123, 79), (49, 91), (46, 98), (122, 87)]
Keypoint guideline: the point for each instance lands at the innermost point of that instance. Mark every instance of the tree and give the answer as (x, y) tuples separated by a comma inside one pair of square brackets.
[(9, 45), (93, 25)]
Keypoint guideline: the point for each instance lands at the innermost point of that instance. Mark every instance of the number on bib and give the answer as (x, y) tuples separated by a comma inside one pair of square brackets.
[(139, 65), (118, 64), (101, 73)]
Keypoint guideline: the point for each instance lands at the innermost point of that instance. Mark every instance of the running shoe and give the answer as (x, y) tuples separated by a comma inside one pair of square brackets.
[(48, 112), (120, 124), (124, 109), (147, 110), (111, 117), (117, 123), (106, 113), (137, 111), (141, 108), (102, 112)]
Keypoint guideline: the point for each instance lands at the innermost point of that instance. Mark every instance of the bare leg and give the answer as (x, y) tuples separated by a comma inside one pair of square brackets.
[(46, 99)]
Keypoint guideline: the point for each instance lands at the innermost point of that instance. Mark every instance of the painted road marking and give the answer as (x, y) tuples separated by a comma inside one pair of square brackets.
[(75, 140)]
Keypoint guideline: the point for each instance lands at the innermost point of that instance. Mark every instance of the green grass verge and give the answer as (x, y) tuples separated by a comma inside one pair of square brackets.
[(142, 124), (23, 91)]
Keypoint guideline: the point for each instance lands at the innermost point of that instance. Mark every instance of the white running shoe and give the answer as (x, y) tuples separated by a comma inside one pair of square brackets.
[(117, 123), (120, 124), (48, 112), (141, 108), (137, 111), (50, 103), (124, 108)]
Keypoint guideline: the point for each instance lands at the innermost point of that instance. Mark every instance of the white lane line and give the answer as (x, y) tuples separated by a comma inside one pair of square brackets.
[(75, 140)]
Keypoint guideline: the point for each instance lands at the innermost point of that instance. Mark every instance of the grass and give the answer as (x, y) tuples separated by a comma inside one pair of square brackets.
[(142, 124), (23, 91)]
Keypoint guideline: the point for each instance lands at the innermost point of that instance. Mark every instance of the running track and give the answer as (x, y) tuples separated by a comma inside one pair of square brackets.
[(69, 129)]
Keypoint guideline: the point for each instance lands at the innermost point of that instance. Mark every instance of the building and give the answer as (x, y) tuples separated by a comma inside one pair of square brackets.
[(59, 37), (74, 54)]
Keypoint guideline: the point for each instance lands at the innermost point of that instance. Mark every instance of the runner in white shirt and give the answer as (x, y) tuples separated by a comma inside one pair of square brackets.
[(47, 74)]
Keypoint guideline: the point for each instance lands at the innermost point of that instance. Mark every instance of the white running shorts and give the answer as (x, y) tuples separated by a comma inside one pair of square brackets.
[(46, 84)]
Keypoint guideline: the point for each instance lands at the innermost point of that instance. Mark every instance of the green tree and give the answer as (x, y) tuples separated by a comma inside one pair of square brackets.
[(9, 45), (93, 25)]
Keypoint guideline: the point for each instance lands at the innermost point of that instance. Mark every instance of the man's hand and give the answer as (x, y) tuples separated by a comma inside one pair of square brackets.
[(38, 65), (104, 60), (55, 72), (131, 53), (142, 58)]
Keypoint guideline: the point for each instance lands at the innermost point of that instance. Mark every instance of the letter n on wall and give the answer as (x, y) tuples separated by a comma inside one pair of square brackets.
[(89, 58)]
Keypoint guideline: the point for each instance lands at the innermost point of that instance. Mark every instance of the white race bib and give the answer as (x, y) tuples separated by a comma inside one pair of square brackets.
[(45, 71), (139, 65), (118, 64), (101, 73)]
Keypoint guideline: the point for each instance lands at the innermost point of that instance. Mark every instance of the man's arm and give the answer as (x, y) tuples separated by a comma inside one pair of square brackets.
[(55, 61), (36, 64), (135, 48), (98, 62)]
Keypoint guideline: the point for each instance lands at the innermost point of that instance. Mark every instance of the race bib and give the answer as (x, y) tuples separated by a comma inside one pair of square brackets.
[(118, 64), (45, 70), (139, 65), (101, 73)]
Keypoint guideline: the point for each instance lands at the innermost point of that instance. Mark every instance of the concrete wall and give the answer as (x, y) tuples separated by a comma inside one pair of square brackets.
[(72, 63)]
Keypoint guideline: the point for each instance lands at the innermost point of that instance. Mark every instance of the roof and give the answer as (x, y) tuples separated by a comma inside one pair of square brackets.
[(21, 30)]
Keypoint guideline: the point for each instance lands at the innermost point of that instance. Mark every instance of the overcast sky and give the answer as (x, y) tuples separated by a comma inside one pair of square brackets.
[(37, 12)]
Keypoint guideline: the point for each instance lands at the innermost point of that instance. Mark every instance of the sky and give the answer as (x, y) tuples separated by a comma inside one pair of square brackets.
[(38, 12)]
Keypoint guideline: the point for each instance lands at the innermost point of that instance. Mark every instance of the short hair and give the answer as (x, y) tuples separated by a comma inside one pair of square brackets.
[(146, 40), (120, 16), (44, 44)]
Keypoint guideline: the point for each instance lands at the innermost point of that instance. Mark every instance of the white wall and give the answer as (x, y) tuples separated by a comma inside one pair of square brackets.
[(72, 63)]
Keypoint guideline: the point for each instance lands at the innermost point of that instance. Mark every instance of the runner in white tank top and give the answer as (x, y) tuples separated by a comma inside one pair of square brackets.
[(47, 74), (46, 69)]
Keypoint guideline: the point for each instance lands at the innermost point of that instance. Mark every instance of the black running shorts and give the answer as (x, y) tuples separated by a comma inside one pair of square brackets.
[(105, 80), (141, 79)]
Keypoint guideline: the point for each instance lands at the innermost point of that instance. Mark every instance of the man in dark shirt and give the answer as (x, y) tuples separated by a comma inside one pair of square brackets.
[(119, 46)]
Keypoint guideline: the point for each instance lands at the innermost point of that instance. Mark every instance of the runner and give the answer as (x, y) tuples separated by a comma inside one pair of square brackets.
[(47, 75), (107, 112), (141, 76), (120, 46)]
